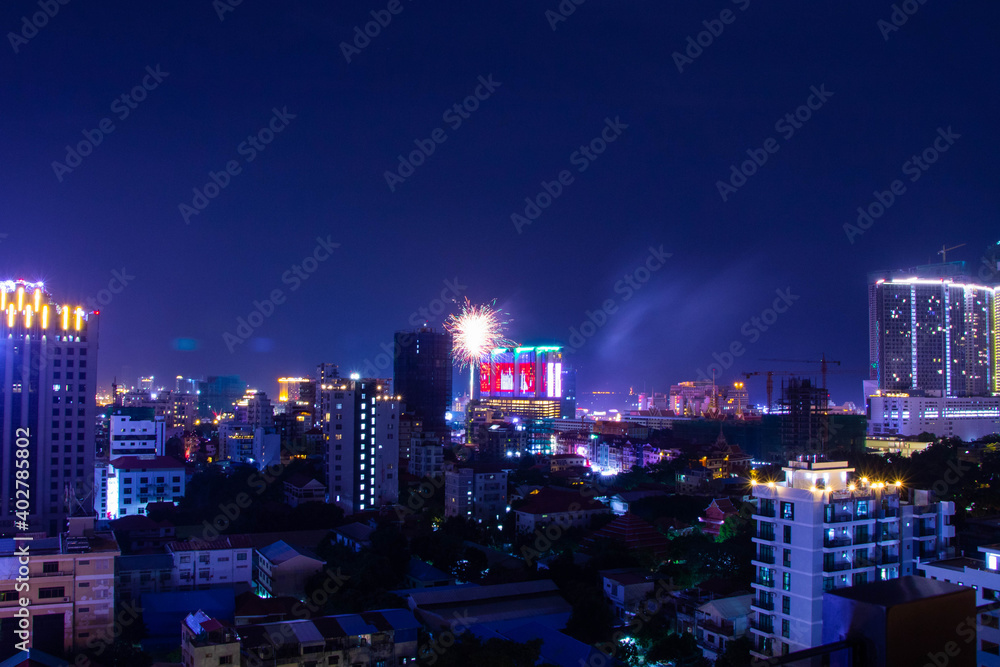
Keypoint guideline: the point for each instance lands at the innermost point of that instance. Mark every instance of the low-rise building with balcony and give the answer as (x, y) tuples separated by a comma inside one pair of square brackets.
[(721, 622)]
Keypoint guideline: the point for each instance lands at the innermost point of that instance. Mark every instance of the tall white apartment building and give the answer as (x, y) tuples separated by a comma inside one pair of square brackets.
[(361, 425), (984, 577), (824, 528)]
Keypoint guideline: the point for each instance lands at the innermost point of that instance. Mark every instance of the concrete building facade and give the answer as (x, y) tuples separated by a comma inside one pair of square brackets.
[(361, 422), (821, 529)]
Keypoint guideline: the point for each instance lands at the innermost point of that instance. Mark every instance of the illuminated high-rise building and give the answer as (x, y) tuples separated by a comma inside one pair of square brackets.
[(48, 385), (929, 332), (218, 394), (526, 382), (361, 425), (290, 389)]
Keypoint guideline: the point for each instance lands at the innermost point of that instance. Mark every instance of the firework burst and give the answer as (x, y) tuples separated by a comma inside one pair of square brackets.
[(476, 331)]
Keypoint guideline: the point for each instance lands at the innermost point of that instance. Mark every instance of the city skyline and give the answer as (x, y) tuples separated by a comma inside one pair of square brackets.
[(561, 176)]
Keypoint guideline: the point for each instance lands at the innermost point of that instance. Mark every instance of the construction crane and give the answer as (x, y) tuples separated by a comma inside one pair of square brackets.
[(823, 367), (944, 252)]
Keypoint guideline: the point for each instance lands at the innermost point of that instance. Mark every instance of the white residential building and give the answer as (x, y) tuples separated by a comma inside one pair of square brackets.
[(246, 443), (226, 560), (426, 458), (720, 622), (126, 485), (479, 494), (283, 570), (361, 422), (136, 432), (208, 642), (625, 590), (984, 577), (301, 490), (821, 529)]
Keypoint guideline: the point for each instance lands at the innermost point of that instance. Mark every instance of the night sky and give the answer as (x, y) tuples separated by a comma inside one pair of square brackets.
[(448, 226)]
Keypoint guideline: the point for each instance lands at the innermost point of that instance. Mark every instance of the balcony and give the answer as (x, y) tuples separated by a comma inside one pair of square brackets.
[(764, 624), (726, 629), (766, 512), (62, 573), (839, 541), (767, 535), (929, 553), (759, 603), (764, 582), (888, 559), (888, 513), (765, 558), (863, 538), (888, 536), (839, 518), (836, 566), (925, 531)]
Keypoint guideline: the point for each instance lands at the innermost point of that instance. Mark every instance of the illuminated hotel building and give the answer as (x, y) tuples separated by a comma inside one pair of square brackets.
[(823, 528), (48, 384), (361, 425), (929, 333), (292, 390), (526, 382)]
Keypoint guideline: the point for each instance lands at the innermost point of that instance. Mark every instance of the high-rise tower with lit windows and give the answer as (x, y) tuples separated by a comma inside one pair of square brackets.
[(929, 332), (48, 384), (361, 424)]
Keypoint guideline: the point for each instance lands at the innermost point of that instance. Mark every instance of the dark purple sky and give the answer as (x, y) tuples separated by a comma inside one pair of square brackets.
[(655, 185)]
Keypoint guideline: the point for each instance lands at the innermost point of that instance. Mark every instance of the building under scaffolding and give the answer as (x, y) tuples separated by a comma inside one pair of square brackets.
[(804, 425)]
